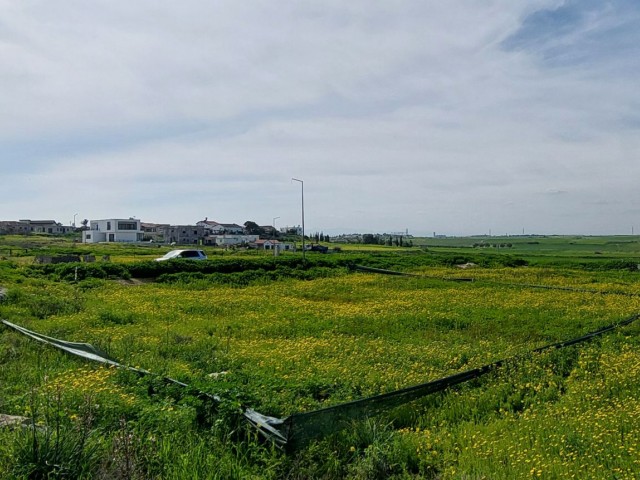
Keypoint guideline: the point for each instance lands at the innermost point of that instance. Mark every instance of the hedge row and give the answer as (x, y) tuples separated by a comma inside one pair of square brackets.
[(399, 261), (152, 269)]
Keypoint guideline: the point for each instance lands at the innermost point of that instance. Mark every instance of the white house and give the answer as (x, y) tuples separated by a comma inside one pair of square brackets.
[(113, 230), (273, 245), (229, 240), (291, 230), (216, 228)]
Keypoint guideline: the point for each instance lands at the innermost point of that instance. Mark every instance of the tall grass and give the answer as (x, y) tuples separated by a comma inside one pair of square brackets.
[(283, 338)]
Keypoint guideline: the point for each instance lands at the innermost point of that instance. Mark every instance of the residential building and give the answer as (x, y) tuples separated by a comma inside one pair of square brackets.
[(9, 227), (153, 232), (273, 245), (183, 234), (113, 230), (291, 230), (216, 228), (25, 226), (230, 240)]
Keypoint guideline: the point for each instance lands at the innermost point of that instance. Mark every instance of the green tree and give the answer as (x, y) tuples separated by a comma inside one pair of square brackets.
[(369, 239), (252, 228)]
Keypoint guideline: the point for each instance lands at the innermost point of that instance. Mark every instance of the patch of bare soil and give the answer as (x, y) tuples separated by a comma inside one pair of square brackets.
[(134, 281)]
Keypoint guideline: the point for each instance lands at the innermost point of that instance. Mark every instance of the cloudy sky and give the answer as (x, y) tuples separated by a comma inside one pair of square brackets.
[(463, 117)]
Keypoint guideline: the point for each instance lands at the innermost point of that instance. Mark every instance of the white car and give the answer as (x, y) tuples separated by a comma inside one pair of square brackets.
[(183, 254)]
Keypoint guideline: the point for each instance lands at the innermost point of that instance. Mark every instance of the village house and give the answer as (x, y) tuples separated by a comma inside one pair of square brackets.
[(230, 240), (25, 226), (297, 230), (153, 232), (113, 230), (183, 234), (216, 228), (10, 227), (273, 245)]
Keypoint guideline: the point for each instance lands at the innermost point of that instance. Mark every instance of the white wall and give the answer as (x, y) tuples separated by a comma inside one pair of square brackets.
[(223, 240), (107, 231)]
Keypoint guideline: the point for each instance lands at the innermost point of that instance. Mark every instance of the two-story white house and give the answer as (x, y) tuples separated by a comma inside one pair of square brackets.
[(113, 230)]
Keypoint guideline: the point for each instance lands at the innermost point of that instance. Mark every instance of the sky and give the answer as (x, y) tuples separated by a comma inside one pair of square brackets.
[(455, 118)]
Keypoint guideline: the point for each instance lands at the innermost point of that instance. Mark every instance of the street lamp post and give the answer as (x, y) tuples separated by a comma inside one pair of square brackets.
[(274, 226), (302, 191), (74, 219)]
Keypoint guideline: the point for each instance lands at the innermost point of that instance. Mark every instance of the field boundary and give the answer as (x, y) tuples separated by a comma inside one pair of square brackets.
[(383, 271), (297, 430)]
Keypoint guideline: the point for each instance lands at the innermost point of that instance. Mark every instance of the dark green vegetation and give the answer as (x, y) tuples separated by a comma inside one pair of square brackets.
[(283, 336)]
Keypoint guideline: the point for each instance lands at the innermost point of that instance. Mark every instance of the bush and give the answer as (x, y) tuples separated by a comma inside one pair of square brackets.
[(80, 271), (245, 278)]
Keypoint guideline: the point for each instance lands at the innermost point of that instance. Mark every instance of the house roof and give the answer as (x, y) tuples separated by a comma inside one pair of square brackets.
[(218, 224), (47, 222)]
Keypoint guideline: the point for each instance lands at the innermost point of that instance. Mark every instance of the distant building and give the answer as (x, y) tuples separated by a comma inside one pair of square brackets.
[(153, 231), (9, 227), (229, 240), (113, 230), (216, 228), (183, 234), (25, 226), (291, 230), (273, 245)]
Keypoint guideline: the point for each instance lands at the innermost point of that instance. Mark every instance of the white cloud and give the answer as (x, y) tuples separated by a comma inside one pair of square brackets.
[(402, 115)]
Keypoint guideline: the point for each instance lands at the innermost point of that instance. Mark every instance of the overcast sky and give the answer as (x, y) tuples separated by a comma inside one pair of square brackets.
[(462, 117)]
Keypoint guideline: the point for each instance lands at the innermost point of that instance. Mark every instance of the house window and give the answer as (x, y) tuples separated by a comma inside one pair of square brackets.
[(127, 226), (108, 225), (88, 237)]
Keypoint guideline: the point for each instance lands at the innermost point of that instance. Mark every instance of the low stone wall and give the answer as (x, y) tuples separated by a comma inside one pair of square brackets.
[(57, 259)]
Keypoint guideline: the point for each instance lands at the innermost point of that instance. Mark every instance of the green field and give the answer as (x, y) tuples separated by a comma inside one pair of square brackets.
[(283, 336)]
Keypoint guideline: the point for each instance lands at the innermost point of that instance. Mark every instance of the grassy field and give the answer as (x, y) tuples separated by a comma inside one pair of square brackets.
[(283, 337)]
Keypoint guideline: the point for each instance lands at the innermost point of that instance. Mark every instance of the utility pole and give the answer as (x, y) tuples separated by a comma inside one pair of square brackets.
[(302, 191)]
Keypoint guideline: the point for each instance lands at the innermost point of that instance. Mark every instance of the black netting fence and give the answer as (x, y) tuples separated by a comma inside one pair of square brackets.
[(299, 429)]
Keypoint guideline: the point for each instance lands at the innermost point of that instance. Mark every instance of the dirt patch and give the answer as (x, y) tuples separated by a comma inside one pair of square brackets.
[(134, 281)]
